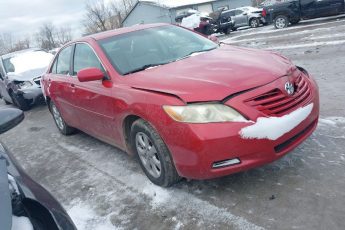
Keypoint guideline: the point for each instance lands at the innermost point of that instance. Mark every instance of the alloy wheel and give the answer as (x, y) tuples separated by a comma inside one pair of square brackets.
[(148, 154), (280, 23), (57, 117)]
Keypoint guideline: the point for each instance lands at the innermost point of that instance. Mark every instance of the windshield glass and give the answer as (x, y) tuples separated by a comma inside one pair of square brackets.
[(142, 49)]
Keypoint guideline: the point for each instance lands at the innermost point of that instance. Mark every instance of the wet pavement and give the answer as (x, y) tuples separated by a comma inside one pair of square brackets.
[(104, 188)]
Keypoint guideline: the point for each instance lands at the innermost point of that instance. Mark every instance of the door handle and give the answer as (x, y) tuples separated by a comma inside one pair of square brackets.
[(73, 85)]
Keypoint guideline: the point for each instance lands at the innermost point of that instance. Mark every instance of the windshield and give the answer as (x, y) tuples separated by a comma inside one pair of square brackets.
[(142, 49)]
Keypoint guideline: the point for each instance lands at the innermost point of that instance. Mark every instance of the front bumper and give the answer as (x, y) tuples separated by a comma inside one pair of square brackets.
[(204, 144), (33, 94)]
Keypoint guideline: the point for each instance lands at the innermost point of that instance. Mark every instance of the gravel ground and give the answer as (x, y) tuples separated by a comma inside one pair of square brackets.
[(104, 188)]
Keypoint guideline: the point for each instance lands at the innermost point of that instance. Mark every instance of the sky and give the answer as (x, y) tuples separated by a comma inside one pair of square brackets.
[(23, 18)]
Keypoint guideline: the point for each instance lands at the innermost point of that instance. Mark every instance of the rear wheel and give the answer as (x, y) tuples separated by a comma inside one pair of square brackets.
[(153, 155), (19, 101), (254, 22), (281, 22), (59, 121)]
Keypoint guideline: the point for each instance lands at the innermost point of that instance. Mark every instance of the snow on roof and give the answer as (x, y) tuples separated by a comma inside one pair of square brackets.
[(30, 60), (176, 3)]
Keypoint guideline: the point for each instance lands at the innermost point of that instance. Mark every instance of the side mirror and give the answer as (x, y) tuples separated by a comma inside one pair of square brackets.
[(245, 13), (9, 118), (90, 74), (213, 38)]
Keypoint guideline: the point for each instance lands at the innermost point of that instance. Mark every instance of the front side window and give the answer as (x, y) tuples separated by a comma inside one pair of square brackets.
[(63, 61), (84, 57), (135, 51)]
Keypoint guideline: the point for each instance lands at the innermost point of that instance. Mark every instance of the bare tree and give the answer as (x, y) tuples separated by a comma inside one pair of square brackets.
[(6, 43), (100, 16), (63, 35), (46, 36)]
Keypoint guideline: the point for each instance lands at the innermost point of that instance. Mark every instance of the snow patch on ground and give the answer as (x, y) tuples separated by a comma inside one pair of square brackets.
[(85, 218), (313, 44), (274, 127), (21, 223)]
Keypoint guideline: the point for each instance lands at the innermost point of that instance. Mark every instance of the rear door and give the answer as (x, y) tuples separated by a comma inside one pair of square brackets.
[(94, 103), (309, 8), (61, 86)]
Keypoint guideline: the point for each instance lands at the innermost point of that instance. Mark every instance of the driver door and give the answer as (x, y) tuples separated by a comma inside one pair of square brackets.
[(241, 18), (94, 104)]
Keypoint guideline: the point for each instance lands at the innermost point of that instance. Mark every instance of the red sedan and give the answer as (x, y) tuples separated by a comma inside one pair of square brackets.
[(184, 105)]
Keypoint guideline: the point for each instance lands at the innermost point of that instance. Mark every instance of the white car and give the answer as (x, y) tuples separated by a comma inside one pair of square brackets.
[(20, 75)]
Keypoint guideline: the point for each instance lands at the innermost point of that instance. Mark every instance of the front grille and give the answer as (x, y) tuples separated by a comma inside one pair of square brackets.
[(277, 103)]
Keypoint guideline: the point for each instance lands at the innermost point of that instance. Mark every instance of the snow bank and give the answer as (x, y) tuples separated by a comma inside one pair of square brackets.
[(274, 127), (21, 223), (31, 60)]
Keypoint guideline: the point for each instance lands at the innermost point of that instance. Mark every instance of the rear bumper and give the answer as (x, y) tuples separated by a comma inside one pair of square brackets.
[(204, 144)]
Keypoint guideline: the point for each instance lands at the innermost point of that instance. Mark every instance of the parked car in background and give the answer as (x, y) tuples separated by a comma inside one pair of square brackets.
[(24, 203), (245, 16), (184, 105), (223, 22), (20, 75), (291, 12), (199, 22)]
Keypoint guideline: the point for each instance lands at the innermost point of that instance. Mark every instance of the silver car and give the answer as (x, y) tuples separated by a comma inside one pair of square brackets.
[(245, 16), (20, 75)]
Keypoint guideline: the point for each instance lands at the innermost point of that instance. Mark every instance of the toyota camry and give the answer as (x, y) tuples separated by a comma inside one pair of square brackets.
[(185, 106)]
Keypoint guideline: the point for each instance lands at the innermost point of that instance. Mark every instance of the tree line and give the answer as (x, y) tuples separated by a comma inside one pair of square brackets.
[(99, 16)]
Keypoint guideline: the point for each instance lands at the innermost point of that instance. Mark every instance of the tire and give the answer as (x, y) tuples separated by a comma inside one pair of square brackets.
[(20, 102), (60, 122), (227, 30), (281, 22), (153, 155), (254, 23)]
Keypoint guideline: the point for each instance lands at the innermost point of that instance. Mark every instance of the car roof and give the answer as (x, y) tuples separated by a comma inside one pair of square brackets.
[(124, 30), (9, 55)]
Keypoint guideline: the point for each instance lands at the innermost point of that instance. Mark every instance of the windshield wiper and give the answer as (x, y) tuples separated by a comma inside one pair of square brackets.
[(195, 52), (141, 68)]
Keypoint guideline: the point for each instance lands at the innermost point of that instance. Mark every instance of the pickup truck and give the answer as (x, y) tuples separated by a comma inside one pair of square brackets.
[(291, 12)]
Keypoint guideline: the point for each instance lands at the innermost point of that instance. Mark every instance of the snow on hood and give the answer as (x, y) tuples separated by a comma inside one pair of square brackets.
[(273, 128), (30, 64)]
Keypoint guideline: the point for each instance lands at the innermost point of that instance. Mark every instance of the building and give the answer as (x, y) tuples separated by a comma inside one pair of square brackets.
[(153, 11)]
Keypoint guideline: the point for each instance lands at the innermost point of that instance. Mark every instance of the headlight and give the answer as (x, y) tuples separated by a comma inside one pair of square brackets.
[(204, 113), (24, 84)]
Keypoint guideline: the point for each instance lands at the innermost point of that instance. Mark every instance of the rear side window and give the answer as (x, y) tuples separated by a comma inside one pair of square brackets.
[(63, 61), (84, 57)]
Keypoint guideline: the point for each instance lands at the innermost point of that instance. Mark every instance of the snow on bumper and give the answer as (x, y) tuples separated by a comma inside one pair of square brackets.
[(273, 128)]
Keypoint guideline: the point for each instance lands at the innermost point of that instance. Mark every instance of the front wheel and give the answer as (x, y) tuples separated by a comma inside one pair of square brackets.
[(60, 122), (19, 101), (281, 22), (254, 23), (154, 156)]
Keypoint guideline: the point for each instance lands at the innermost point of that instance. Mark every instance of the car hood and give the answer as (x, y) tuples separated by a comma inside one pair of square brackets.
[(28, 75), (213, 75)]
